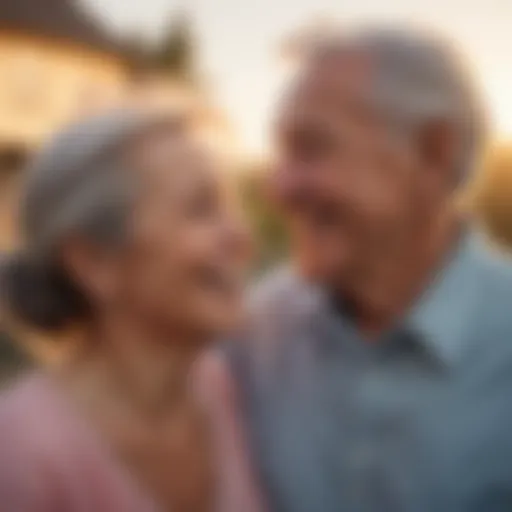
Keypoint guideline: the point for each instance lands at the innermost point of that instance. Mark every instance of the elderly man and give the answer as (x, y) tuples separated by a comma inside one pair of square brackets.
[(376, 372)]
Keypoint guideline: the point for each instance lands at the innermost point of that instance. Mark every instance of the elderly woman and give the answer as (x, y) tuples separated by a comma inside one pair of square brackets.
[(128, 242)]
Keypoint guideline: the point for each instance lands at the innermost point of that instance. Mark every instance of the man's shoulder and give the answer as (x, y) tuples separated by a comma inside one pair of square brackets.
[(495, 275), (492, 311), (281, 306)]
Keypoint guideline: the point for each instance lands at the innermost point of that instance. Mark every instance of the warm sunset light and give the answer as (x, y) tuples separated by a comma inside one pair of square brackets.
[(502, 109), (256, 255)]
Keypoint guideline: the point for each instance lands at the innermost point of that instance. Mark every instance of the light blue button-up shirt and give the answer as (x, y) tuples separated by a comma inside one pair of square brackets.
[(419, 421)]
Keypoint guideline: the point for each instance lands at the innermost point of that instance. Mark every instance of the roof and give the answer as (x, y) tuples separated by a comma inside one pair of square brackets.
[(63, 19)]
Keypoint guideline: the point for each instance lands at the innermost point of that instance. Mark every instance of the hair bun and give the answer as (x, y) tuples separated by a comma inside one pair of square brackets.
[(39, 294)]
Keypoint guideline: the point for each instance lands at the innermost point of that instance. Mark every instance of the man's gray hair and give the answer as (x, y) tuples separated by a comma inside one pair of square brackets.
[(419, 76), (78, 184)]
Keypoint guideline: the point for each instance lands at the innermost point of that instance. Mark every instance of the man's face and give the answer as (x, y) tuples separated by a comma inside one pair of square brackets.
[(348, 185)]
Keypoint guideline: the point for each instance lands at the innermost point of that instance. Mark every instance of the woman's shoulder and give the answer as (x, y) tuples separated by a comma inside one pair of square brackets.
[(25, 404), (49, 455), (32, 421), (28, 442), (20, 403)]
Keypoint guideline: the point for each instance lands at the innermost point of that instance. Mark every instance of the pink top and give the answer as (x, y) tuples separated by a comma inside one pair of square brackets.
[(51, 461)]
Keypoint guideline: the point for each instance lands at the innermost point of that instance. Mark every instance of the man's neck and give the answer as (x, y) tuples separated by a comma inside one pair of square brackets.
[(396, 279)]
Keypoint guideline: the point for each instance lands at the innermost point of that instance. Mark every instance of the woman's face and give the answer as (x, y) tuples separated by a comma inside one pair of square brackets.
[(183, 268)]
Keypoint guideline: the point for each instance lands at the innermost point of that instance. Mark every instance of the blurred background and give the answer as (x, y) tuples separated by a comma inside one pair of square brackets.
[(223, 61)]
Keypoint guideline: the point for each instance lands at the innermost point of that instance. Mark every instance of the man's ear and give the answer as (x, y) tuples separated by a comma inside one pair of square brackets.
[(440, 148)]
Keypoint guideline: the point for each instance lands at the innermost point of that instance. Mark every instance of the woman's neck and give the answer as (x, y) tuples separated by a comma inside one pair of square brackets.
[(130, 366)]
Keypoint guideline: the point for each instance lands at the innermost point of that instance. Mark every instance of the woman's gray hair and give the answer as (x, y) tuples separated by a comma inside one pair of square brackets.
[(77, 184)]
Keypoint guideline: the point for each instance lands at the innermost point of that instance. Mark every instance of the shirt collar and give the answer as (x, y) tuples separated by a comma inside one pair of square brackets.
[(442, 316)]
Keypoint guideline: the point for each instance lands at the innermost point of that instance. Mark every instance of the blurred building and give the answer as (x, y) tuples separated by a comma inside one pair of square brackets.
[(55, 61), (58, 61)]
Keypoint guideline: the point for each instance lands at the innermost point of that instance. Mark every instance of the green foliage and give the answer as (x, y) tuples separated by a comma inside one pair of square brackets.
[(176, 53), (490, 197), (270, 236)]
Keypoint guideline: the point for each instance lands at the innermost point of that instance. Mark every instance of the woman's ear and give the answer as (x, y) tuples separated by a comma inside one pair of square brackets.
[(90, 268)]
